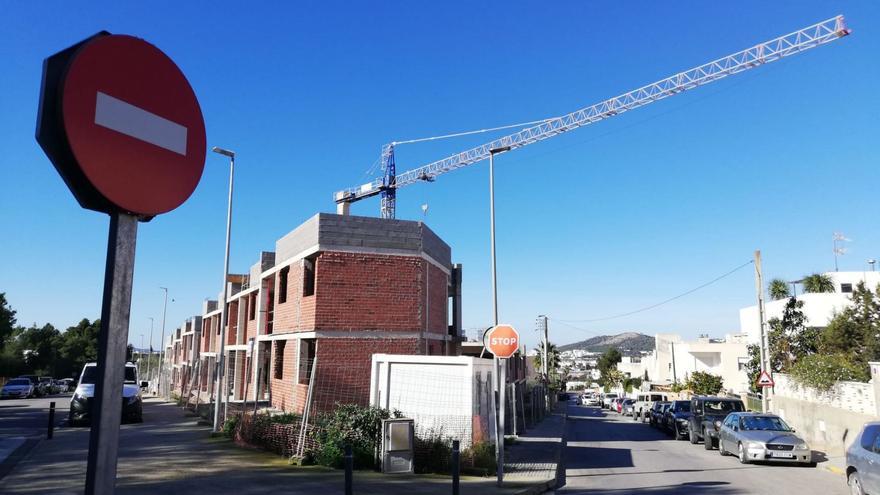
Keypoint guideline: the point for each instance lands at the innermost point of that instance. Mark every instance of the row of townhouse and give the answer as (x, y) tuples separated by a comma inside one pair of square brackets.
[(336, 290)]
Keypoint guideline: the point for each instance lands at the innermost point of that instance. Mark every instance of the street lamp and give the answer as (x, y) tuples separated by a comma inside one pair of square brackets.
[(871, 262), (150, 355), (500, 373), (162, 343), (220, 371)]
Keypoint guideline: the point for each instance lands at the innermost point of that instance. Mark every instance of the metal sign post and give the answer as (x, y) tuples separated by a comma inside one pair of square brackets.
[(112, 340), (124, 130), (503, 342)]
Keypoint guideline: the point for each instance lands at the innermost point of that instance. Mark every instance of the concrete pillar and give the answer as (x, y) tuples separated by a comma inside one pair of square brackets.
[(343, 208), (875, 380), (237, 385)]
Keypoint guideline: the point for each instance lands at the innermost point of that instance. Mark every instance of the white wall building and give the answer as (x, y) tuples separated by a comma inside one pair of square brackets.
[(818, 308), (674, 360)]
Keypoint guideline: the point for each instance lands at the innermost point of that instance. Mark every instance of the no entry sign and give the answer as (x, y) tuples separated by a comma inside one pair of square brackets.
[(502, 341), (122, 126)]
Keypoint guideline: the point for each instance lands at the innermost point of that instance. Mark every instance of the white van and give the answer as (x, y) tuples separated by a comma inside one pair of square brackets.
[(644, 401)]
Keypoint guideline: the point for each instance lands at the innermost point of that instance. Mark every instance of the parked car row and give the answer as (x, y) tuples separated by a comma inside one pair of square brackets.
[(27, 386), (722, 423)]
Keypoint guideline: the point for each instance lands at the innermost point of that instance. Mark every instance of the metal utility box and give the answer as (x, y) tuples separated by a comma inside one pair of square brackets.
[(397, 445)]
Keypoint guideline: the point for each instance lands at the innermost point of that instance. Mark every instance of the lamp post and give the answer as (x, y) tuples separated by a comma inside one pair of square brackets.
[(220, 371), (871, 262), (499, 437), (162, 343), (150, 355)]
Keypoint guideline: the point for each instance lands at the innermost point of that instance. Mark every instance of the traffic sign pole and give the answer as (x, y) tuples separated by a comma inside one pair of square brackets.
[(503, 342), (502, 398), (112, 340)]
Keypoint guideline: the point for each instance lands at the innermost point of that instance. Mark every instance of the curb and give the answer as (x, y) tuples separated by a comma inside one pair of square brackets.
[(836, 470)]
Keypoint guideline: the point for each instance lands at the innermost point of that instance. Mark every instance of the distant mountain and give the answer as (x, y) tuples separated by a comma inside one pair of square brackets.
[(627, 343)]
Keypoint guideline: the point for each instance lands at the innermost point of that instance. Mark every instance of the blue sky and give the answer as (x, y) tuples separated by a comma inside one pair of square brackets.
[(601, 221)]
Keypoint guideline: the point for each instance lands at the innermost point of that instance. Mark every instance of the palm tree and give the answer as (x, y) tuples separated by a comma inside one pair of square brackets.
[(552, 358), (778, 289), (818, 283)]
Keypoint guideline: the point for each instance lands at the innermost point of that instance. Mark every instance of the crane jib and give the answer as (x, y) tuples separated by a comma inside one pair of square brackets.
[(790, 44)]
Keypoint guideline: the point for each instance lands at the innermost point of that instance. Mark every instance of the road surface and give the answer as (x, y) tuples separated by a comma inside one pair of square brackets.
[(608, 454)]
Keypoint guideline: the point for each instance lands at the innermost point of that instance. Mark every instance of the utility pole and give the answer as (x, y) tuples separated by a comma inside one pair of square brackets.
[(674, 375), (765, 360), (542, 320)]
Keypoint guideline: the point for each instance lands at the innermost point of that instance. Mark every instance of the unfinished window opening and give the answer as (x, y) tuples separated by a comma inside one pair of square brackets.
[(252, 307), (309, 276), (846, 288), (279, 359), (306, 359), (282, 284)]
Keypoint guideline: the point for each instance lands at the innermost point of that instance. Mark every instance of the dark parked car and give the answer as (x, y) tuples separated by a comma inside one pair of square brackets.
[(656, 413), (862, 459), (707, 414), (677, 418)]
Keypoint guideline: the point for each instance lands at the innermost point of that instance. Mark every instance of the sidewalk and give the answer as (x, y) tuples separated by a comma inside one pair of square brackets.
[(169, 453)]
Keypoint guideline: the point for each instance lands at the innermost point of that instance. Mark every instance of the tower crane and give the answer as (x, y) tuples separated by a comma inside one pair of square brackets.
[(790, 44)]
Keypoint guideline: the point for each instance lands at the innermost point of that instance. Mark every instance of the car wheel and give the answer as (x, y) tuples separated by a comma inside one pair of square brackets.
[(692, 436), (855, 483), (721, 451), (635, 416), (707, 440), (742, 454)]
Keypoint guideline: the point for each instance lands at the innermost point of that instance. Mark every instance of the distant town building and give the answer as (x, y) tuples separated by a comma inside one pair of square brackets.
[(818, 308)]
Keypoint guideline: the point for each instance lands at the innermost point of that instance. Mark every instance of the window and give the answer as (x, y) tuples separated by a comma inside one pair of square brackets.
[(846, 288), (742, 363), (870, 436), (309, 276), (282, 284), (252, 306), (306, 358), (279, 359)]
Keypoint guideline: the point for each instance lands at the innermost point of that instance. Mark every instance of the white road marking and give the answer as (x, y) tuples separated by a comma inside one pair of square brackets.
[(138, 123)]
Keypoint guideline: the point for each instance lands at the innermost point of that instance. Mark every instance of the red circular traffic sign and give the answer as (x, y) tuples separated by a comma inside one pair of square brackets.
[(133, 124), (502, 341)]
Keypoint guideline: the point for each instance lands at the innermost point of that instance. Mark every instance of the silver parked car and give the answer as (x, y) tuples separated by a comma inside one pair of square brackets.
[(862, 459), (762, 437)]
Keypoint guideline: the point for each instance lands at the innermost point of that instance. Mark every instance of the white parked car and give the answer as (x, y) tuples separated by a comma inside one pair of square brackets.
[(644, 402), (17, 388), (607, 399)]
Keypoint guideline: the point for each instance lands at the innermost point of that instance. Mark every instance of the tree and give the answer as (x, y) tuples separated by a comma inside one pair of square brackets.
[(552, 358), (77, 346), (607, 366), (703, 383), (789, 338), (822, 371), (855, 331), (37, 346), (778, 289), (612, 378), (7, 321), (818, 283), (753, 366), (645, 377)]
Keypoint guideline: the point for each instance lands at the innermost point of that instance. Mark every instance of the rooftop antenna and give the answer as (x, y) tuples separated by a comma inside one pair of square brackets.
[(837, 239)]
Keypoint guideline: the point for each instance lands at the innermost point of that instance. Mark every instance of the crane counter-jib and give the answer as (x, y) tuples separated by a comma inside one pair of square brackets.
[(796, 42)]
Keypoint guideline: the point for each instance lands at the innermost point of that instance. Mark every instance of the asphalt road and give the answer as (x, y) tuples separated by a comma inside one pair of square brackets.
[(609, 454), (30, 417)]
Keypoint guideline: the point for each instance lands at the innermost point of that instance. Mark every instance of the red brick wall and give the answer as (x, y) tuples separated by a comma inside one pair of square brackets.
[(283, 389), (358, 291), (251, 325), (232, 322), (438, 290), (298, 312)]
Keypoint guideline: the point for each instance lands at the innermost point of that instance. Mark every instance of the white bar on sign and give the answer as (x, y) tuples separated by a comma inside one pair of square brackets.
[(138, 123)]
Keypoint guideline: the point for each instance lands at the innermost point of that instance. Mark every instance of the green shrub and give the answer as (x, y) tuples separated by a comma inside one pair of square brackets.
[(482, 455), (230, 425), (350, 424), (432, 454), (822, 371)]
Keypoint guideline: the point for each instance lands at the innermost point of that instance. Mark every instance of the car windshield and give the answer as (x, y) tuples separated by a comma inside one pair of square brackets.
[(682, 406), (18, 382), (769, 423), (721, 406), (90, 375)]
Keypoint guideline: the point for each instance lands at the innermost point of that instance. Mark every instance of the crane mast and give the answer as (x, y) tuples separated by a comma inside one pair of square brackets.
[(790, 44)]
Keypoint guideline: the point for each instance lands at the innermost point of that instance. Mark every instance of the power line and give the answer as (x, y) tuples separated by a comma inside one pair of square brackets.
[(661, 303)]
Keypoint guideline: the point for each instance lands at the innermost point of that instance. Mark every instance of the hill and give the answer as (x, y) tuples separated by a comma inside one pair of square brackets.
[(627, 343)]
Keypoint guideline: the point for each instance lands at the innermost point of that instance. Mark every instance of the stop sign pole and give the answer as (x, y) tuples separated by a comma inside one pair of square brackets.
[(124, 130), (503, 342)]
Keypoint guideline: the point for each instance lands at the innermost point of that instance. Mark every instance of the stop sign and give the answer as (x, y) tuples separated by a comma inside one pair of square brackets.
[(122, 126), (502, 341)]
